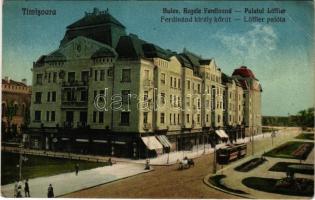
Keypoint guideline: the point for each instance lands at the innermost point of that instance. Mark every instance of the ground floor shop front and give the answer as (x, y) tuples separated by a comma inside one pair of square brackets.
[(129, 145)]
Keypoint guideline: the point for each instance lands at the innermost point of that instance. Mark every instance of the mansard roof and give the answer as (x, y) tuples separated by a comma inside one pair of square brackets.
[(184, 61), (55, 56), (226, 78), (132, 47), (95, 18), (103, 52)]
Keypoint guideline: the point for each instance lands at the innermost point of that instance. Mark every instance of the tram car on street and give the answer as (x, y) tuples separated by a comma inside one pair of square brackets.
[(231, 152)]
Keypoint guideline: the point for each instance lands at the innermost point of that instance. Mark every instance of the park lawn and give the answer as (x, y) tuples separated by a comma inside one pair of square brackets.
[(305, 136), (285, 150), (283, 167), (268, 185), (38, 166)]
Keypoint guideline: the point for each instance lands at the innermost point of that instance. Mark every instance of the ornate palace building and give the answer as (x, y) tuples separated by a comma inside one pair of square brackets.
[(107, 92), (16, 101)]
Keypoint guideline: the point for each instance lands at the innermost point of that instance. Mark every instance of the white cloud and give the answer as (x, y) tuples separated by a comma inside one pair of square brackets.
[(257, 42)]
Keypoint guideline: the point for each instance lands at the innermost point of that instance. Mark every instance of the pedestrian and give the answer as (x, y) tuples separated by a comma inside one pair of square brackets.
[(19, 191), (50, 193), (76, 169), (15, 188), (27, 189)]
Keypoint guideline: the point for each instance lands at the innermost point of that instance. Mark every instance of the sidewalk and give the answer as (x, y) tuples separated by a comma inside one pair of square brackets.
[(234, 178), (69, 182)]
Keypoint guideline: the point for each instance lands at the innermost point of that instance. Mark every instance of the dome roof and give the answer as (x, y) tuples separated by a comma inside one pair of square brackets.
[(244, 72)]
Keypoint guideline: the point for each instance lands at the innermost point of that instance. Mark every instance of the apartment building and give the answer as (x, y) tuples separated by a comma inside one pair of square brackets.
[(116, 94)]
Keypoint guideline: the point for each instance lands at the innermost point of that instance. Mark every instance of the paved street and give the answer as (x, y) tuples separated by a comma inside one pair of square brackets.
[(168, 182), (69, 182), (233, 178)]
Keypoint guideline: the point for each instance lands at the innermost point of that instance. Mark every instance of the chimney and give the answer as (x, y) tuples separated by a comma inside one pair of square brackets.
[(24, 81)]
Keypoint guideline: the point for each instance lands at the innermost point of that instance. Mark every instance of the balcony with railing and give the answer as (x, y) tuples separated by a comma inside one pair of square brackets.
[(74, 104)]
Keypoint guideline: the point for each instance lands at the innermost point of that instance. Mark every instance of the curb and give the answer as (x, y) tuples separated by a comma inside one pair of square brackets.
[(104, 183), (205, 181)]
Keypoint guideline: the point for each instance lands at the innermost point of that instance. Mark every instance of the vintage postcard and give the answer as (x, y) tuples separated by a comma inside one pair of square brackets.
[(157, 99)]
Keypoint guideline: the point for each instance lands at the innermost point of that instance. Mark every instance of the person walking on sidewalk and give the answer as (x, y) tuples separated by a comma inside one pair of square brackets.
[(27, 189), (76, 169), (50, 193), (19, 191)]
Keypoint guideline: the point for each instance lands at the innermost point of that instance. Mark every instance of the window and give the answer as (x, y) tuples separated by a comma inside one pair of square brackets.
[(126, 75), (38, 97), (171, 99), (102, 77), (198, 88), (100, 117), (83, 95), (188, 85), (52, 116), (219, 118), (124, 118), (187, 118), (188, 101), (207, 118), (94, 116), (162, 118), (95, 94), (84, 76), (174, 82), (49, 77), (174, 100), (179, 83), (55, 77), (95, 75), (37, 115), (145, 117), (146, 75), (171, 81), (102, 92), (163, 98), (53, 96), (110, 72), (178, 121), (198, 118), (48, 97), (162, 78), (178, 101), (170, 118), (39, 79), (174, 119), (198, 103), (47, 116), (125, 96), (145, 96), (71, 77)]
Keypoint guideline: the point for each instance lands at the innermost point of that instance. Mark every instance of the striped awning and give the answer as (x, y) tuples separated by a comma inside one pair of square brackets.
[(152, 143), (164, 141)]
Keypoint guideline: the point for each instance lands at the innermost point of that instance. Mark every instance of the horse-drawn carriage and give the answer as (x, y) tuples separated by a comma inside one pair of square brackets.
[(186, 163)]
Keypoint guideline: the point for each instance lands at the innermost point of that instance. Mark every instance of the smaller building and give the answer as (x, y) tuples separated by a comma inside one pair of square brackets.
[(16, 101)]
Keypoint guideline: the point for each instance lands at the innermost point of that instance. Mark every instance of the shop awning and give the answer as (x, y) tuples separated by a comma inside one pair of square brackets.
[(152, 143), (164, 141), (221, 133)]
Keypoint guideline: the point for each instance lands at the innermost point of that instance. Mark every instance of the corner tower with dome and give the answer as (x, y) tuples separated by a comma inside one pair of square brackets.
[(252, 99)]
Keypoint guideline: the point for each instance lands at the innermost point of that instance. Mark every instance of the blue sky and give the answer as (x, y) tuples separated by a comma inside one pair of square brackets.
[(279, 54)]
